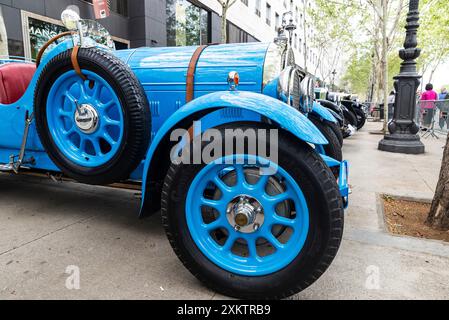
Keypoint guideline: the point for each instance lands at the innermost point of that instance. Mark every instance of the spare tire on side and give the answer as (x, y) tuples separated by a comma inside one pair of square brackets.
[(95, 130)]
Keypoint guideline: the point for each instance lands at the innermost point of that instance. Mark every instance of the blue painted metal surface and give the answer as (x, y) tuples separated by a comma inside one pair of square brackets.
[(275, 110), (162, 72), (222, 255), (12, 120), (323, 113), (343, 183), (85, 149), (330, 161)]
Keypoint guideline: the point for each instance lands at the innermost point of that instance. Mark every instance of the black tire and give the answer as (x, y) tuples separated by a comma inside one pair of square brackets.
[(361, 118), (135, 109), (320, 248), (338, 133), (350, 117), (334, 148)]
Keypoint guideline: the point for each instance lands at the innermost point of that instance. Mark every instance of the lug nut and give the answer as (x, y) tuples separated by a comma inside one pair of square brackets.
[(237, 228), (256, 227)]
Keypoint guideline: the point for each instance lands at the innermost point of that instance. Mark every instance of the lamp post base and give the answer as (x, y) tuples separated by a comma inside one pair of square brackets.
[(402, 143)]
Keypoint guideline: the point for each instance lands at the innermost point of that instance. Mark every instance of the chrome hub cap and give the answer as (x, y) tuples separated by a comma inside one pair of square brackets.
[(86, 118), (245, 214)]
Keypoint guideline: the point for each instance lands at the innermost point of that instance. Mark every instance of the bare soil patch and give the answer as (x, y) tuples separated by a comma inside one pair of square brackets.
[(408, 218)]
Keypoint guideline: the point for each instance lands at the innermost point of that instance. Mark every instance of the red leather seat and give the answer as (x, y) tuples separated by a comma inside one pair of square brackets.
[(14, 81)]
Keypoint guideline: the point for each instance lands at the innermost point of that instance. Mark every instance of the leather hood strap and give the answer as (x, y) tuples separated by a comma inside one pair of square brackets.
[(190, 83)]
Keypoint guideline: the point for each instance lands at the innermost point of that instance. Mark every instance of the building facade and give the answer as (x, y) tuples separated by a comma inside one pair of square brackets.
[(136, 23)]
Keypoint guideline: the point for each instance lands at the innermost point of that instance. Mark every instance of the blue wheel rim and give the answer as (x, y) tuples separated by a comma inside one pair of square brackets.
[(85, 149), (221, 254)]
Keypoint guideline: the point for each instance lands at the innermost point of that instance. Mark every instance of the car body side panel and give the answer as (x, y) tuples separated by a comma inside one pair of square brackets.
[(12, 119), (163, 73)]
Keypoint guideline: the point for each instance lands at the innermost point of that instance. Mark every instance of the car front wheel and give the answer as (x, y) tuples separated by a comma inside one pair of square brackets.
[(255, 231)]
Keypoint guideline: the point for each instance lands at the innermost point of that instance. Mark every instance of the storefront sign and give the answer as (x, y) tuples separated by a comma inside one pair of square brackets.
[(40, 32), (101, 9)]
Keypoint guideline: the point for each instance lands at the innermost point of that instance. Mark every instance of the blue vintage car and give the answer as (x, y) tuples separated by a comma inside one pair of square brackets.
[(248, 223)]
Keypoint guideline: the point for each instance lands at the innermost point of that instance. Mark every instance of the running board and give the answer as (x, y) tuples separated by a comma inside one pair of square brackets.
[(6, 168)]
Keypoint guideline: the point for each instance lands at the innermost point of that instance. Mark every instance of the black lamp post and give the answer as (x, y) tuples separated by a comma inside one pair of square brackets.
[(403, 129)]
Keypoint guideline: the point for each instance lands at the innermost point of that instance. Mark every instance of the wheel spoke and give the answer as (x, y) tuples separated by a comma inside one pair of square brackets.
[(217, 224), (214, 204), (72, 100), (65, 114), (229, 242), (221, 185), (252, 248), (82, 90), (83, 144), (283, 221), (107, 105), (262, 183), (274, 200), (240, 171), (111, 122), (275, 242), (97, 148), (69, 132), (109, 139), (97, 91)]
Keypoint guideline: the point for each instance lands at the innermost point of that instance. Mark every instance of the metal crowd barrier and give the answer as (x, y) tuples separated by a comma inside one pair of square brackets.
[(433, 117)]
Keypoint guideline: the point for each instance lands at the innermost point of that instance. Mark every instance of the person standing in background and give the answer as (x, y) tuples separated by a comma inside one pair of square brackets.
[(391, 98), (427, 108), (443, 94), (443, 106)]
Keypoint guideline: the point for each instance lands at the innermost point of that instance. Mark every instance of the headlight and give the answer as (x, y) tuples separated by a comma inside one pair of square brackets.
[(307, 93), (70, 18), (273, 63), (284, 85)]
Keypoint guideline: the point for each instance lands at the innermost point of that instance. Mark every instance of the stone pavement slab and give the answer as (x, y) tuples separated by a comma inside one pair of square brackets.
[(46, 227)]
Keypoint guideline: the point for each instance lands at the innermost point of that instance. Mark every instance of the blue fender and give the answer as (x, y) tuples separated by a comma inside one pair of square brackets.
[(322, 112), (283, 115), (330, 161)]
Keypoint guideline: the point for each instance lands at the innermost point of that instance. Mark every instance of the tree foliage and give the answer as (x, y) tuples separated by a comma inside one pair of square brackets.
[(433, 36)]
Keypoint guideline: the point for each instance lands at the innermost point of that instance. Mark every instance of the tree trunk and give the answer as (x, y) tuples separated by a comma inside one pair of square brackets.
[(224, 29), (439, 212)]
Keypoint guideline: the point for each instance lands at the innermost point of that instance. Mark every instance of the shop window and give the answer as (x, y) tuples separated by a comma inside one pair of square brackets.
[(187, 24), (37, 31), (237, 35)]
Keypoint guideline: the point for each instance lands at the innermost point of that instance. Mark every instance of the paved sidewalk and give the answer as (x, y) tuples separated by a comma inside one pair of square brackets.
[(46, 227)]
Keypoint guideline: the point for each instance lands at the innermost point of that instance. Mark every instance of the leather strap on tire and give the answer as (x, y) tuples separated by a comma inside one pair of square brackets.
[(49, 43), (190, 83), (75, 63)]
